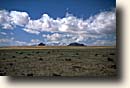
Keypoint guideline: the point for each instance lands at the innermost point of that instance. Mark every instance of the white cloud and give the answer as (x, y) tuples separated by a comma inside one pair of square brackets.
[(8, 20), (63, 30), (6, 40), (33, 31), (54, 37), (103, 43), (27, 43), (62, 38), (4, 16), (34, 24), (20, 43), (104, 22), (3, 33), (5, 20), (35, 41), (19, 18), (7, 26), (13, 42)]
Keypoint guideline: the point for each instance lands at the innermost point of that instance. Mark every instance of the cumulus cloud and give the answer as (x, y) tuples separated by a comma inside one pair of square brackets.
[(65, 30), (103, 22), (4, 16), (19, 18), (7, 26), (54, 37), (64, 38), (8, 20), (5, 20)]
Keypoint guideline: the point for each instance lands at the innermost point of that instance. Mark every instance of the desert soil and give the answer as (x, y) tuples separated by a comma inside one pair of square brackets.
[(58, 61)]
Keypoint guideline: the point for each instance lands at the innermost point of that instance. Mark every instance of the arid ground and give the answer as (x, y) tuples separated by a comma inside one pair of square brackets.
[(58, 61)]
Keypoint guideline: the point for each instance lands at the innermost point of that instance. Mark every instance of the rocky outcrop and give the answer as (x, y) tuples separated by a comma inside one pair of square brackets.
[(41, 44), (76, 44)]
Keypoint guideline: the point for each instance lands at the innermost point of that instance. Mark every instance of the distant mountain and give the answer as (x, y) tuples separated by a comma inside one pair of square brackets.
[(41, 44), (76, 44)]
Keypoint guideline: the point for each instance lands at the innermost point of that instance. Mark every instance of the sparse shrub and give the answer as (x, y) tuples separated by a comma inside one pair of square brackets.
[(103, 55), (29, 54), (37, 52), (112, 53), (11, 64), (30, 74), (61, 54), (21, 53), (67, 59), (54, 74), (25, 57), (48, 52), (3, 58), (109, 59), (40, 59), (77, 53), (22, 74), (13, 56), (96, 54), (113, 66), (5, 68), (76, 66)]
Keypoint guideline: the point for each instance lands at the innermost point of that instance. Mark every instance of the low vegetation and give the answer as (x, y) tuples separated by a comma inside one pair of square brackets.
[(58, 61)]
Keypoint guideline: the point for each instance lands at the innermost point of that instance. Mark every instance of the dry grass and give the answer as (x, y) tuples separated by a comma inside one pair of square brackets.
[(58, 61), (55, 47)]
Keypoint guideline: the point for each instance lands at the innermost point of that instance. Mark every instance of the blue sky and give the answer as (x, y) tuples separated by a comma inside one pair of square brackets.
[(57, 22)]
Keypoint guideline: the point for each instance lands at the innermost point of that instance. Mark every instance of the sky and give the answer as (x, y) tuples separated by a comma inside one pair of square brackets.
[(57, 22)]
